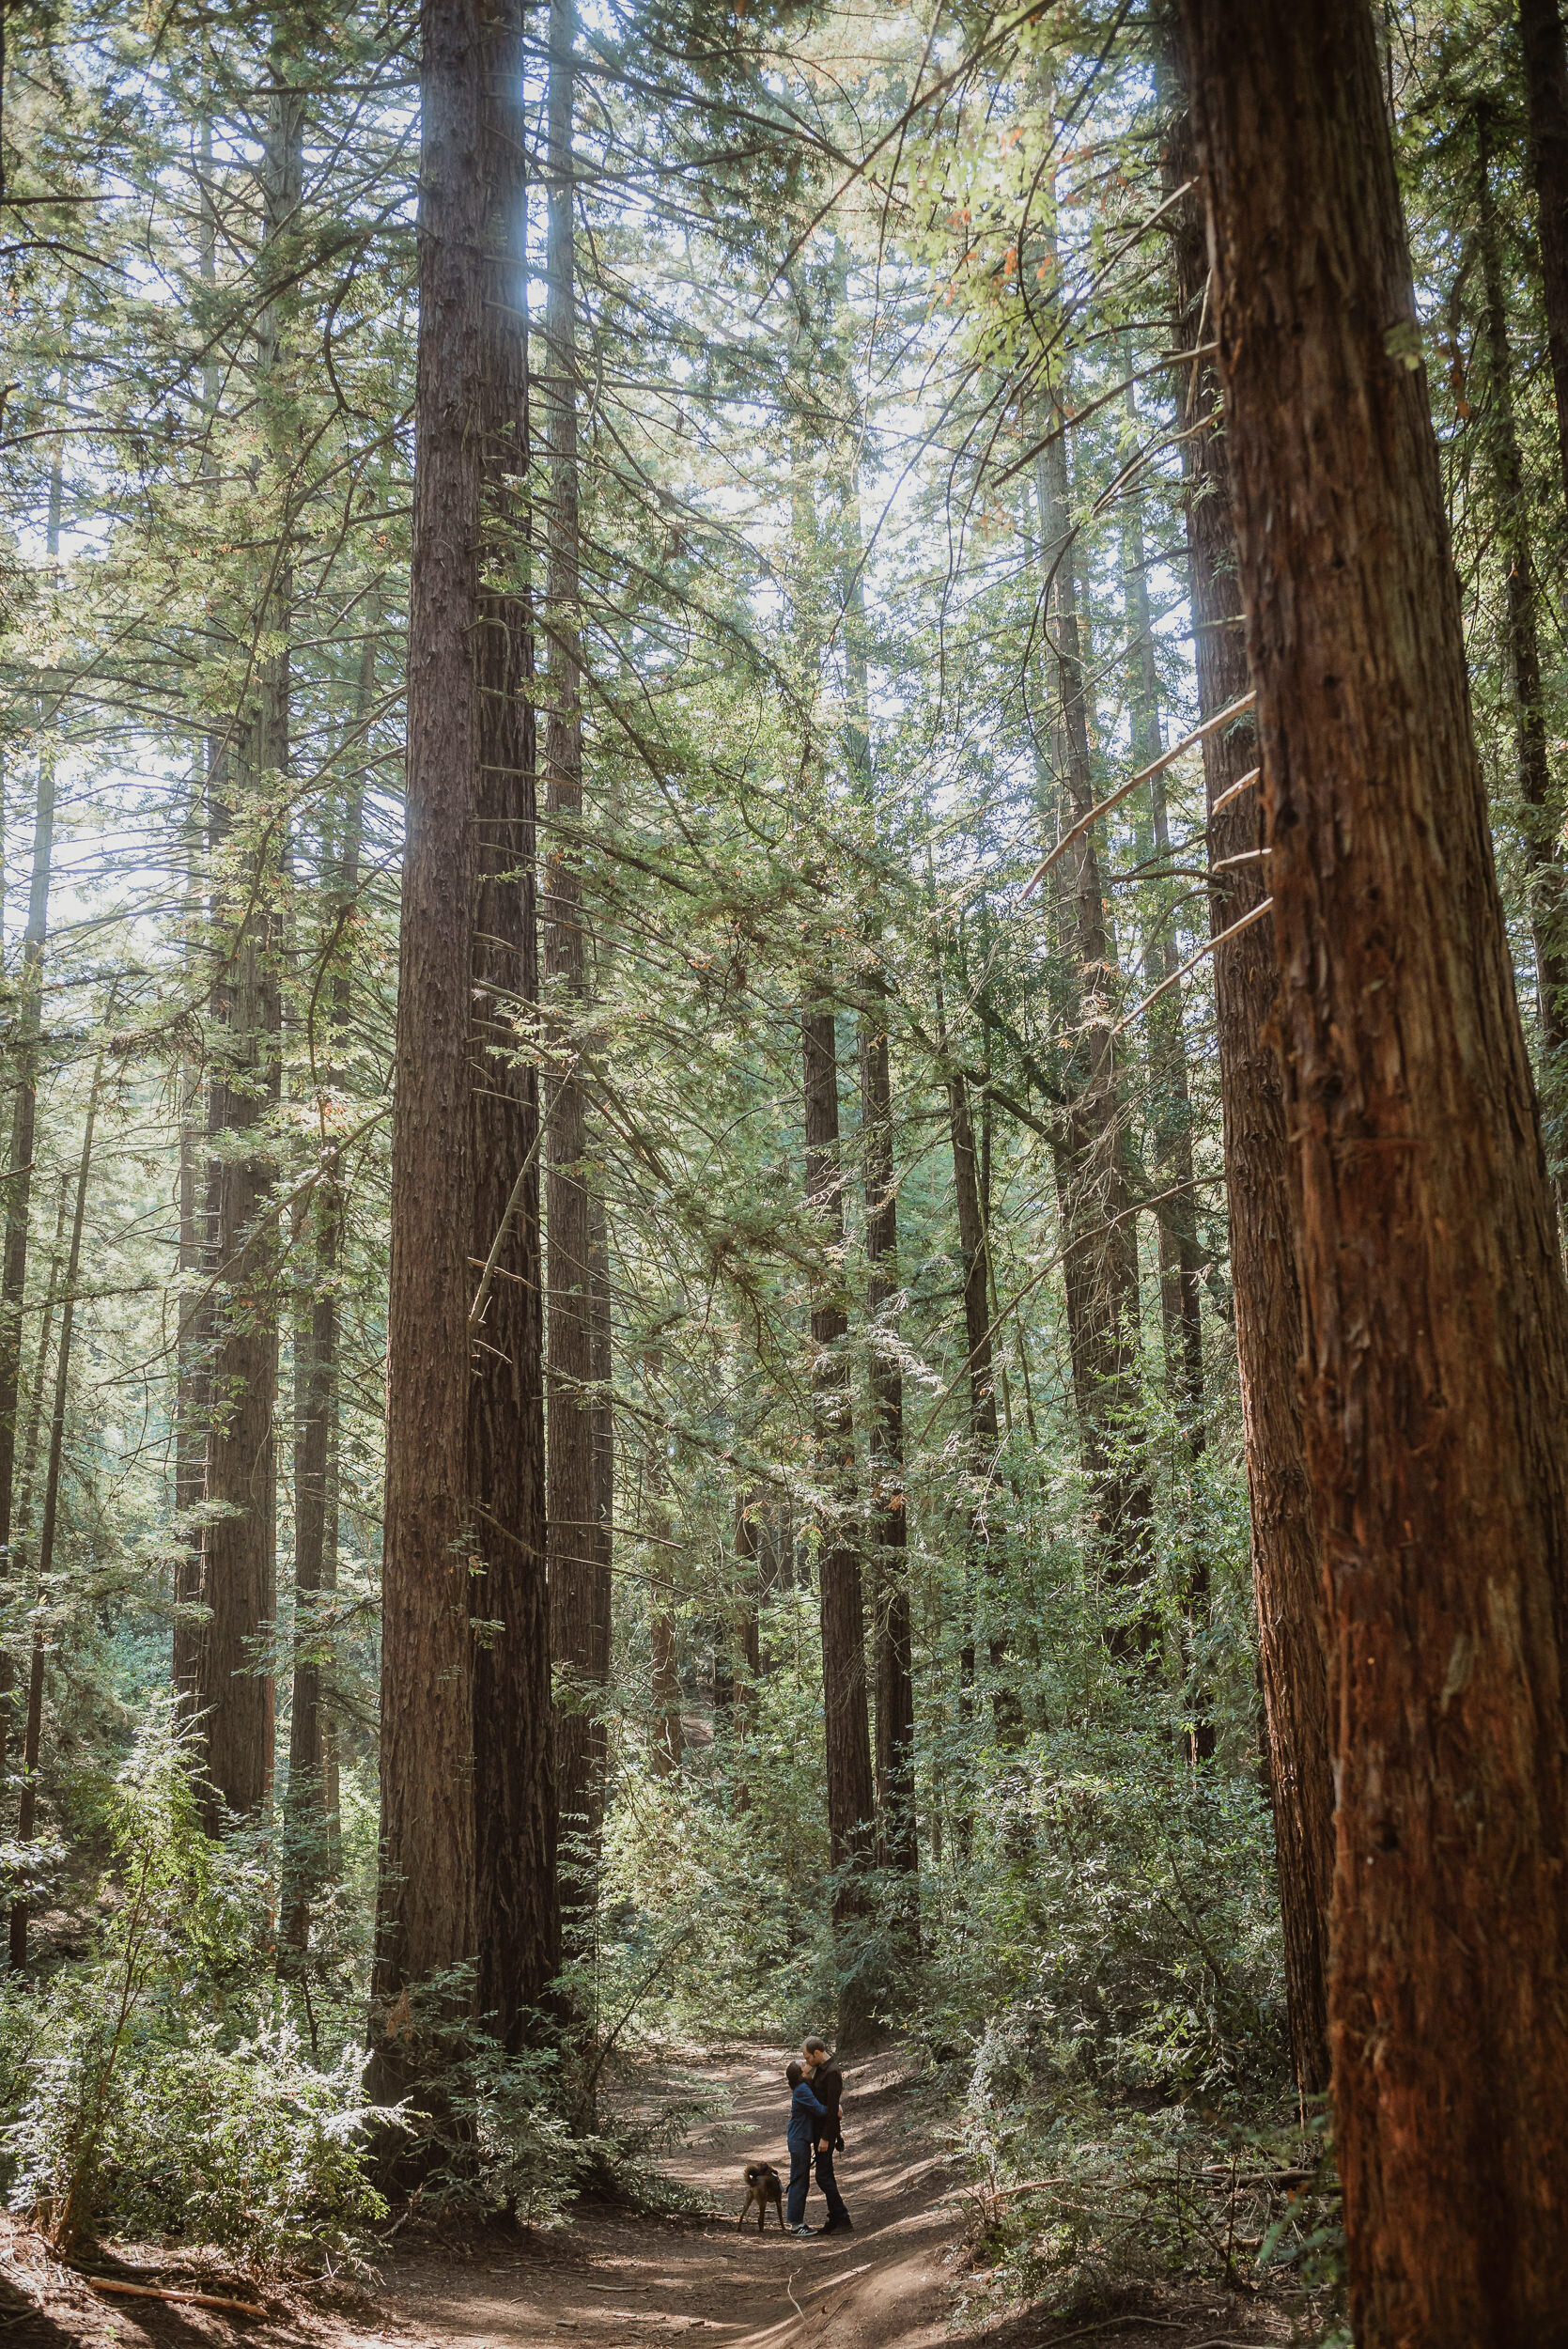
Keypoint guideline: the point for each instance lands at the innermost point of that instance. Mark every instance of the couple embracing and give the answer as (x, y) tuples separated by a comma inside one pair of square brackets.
[(816, 2091)]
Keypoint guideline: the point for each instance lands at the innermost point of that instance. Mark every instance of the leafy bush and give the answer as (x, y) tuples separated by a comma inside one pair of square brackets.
[(159, 2085), (1116, 1919)]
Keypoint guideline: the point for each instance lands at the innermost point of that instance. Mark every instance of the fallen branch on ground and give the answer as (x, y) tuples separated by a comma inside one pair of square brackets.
[(174, 2292)]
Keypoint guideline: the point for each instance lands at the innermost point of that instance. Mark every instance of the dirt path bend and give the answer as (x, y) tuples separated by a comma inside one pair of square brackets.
[(611, 2281)]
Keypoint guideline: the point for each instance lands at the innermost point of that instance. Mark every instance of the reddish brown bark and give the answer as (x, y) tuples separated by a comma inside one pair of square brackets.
[(1286, 1572), (425, 1918), (578, 1603), (517, 1918), (1436, 1320), (235, 1669)]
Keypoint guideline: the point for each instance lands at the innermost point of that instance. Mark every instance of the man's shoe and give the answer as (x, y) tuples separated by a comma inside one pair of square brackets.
[(838, 2226)]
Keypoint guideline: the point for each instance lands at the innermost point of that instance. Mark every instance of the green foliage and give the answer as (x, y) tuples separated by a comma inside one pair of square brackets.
[(1118, 1923), (158, 2086)]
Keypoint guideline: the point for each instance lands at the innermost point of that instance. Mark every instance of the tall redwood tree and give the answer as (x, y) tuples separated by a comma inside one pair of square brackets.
[(425, 1918), (1286, 1578), (1435, 1322)]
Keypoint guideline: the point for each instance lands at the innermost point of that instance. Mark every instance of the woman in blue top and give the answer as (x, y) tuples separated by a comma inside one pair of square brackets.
[(806, 2115)]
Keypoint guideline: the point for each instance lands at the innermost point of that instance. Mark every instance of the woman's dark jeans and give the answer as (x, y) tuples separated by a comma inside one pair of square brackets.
[(800, 2180)]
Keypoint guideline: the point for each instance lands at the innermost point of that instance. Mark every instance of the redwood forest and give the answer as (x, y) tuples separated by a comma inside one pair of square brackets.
[(783, 1152)]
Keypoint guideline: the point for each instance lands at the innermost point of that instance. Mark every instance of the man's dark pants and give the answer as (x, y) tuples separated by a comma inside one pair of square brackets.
[(827, 2185), (800, 2180)]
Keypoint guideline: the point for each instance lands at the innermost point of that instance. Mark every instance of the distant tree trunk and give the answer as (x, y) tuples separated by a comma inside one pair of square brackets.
[(986, 1554), (19, 1189), (191, 1402), (893, 1680), (27, 1820), (576, 1631), (1542, 815), (1286, 1574), (235, 1667), (1180, 1258), (1171, 1115), (517, 1914), (1436, 1316), (851, 1789), (669, 1730), (891, 1631), (1547, 95), (1100, 1248), (748, 1565), (306, 1830), (425, 1915)]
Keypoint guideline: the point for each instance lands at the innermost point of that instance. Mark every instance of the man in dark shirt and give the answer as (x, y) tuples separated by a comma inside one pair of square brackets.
[(827, 2082)]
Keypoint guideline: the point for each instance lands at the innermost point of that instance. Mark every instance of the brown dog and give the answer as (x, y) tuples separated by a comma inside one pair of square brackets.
[(763, 2185)]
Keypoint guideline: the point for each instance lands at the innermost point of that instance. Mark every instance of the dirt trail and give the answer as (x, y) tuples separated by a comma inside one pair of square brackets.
[(613, 2282), (608, 2279)]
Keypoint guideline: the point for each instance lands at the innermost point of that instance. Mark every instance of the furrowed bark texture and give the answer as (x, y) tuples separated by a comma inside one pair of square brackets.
[(851, 1789), (427, 1908), (236, 1685), (1547, 95), (234, 1677), (516, 1910), (1436, 1320), (579, 1616), (1286, 1573)]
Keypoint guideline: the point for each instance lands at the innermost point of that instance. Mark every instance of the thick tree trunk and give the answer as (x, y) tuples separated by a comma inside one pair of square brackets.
[(1435, 1317), (851, 1788), (1285, 1557), (235, 1667), (1546, 94), (579, 1616), (517, 1915), (1541, 816), (425, 1918)]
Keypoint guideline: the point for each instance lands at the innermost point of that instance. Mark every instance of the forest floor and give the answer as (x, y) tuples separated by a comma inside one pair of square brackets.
[(610, 2278)]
